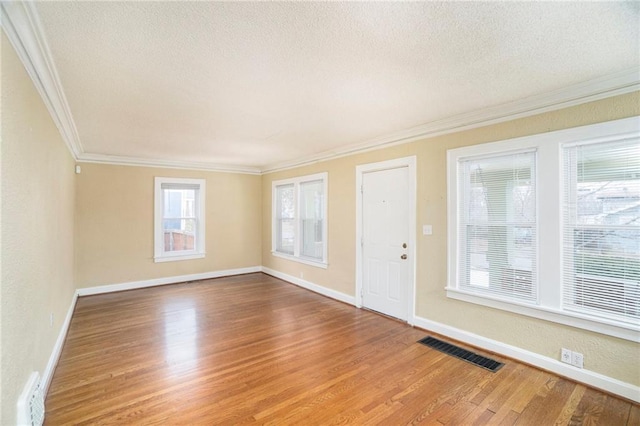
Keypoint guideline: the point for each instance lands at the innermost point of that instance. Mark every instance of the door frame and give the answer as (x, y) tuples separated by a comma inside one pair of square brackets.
[(410, 163)]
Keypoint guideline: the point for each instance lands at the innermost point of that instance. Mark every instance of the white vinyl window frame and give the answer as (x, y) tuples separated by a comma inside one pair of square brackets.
[(160, 186), (549, 164), (297, 252)]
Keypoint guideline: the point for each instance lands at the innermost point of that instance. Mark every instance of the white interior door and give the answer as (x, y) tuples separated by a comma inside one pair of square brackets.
[(385, 241)]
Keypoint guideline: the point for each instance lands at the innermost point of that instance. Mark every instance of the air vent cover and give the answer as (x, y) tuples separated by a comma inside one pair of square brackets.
[(463, 354), (31, 402)]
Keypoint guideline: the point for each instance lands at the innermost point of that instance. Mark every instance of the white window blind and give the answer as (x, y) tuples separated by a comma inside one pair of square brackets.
[(601, 233), (497, 226)]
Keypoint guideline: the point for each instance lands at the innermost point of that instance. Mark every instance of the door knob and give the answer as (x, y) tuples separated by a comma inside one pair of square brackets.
[(403, 257), (404, 245)]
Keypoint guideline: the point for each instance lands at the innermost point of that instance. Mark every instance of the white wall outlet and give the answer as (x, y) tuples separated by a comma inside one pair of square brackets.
[(577, 360), (427, 229), (565, 356), (302, 275)]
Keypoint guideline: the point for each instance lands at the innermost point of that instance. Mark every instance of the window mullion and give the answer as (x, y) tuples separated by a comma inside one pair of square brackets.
[(549, 238), (297, 231)]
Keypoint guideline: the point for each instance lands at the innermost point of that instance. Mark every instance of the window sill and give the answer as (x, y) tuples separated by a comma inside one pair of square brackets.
[(175, 258), (602, 326), (306, 261)]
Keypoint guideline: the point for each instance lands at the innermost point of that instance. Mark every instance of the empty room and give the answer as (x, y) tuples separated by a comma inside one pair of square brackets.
[(314, 213)]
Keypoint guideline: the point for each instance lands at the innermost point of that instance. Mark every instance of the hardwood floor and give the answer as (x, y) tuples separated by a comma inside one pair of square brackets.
[(253, 349)]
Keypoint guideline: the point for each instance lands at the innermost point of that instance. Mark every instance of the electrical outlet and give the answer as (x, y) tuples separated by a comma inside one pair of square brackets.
[(577, 360), (51, 320), (566, 356), (302, 275)]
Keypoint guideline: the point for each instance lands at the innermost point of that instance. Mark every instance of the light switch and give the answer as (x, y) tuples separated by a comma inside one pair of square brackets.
[(427, 230)]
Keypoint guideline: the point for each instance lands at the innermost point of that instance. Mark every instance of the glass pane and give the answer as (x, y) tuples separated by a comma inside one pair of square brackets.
[(179, 203), (179, 234), (311, 214), (285, 230), (285, 219), (285, 208)]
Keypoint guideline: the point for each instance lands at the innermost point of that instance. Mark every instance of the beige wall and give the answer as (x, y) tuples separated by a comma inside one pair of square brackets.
[(37, 231), (610, 356), (114, 224), (61, 231)]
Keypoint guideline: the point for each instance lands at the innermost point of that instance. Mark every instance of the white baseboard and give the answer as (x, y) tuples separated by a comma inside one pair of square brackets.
[(57, 348), (591, 378), (351, 300), (166, 280)]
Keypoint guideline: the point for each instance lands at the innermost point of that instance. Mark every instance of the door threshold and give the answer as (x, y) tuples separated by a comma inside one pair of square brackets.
[(385, 315)]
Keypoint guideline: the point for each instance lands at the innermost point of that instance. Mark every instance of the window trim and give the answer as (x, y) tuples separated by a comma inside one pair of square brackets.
[(159, 255), (549, 182), (297, 257)]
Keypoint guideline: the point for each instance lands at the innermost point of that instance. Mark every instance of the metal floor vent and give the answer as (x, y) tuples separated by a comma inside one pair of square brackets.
[(463, 354)]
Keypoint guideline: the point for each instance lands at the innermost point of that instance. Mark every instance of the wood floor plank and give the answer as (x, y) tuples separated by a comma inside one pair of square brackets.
[(634, 415), (548, 404), (570, 406), (252, 349)]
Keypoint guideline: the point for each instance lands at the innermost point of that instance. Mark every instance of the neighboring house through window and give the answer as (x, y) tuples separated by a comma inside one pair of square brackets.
[(179, 219), (300, 219)]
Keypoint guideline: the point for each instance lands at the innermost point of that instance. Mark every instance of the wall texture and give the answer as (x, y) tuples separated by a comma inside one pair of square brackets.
[(610, 356), (38, 191), (114, 224)]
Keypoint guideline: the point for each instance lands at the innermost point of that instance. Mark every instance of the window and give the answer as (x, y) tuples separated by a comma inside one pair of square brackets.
[(300, 219), (498, 226), (601, 250), (549, 226), (179, 219)]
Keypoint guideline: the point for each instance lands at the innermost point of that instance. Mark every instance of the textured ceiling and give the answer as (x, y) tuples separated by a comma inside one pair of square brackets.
[(261, 84)]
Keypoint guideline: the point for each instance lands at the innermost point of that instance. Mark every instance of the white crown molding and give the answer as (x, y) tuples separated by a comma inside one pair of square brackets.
[(167, 164), (21, 23), (22, 26), (619, 83)]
